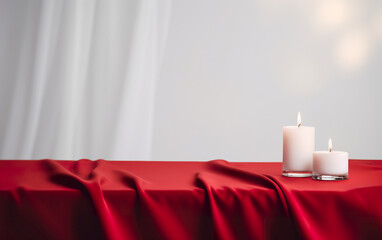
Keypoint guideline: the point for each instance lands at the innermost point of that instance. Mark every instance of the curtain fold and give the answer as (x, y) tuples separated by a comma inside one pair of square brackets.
[(78, 78)]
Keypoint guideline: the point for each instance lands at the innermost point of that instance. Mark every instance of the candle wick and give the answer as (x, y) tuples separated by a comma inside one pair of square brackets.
[(299, 124), (330, 150)]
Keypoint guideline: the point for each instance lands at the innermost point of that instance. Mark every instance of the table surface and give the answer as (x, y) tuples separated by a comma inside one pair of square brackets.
[(102, 199)]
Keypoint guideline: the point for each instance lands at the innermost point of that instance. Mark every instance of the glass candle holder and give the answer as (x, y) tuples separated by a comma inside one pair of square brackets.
[(330, 165)]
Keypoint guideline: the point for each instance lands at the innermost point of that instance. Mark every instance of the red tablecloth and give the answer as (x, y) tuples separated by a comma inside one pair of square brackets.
[(185, 200)]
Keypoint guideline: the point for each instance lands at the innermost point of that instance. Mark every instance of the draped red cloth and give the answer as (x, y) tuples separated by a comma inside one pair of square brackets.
[(101, 199)]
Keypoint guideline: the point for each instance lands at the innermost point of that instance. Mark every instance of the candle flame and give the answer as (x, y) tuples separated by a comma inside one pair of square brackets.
[(330, 145), (298, 119)]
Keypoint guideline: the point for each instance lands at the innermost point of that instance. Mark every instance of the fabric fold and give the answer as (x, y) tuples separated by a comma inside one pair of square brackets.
[(251, 209), (224, 167), (160, 219), (84, 199), (91, 187)]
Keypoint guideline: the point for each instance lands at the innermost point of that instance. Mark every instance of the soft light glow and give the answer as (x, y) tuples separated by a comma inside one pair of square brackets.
[(334, 14), (330, 145), (353, 50), (298, 119)]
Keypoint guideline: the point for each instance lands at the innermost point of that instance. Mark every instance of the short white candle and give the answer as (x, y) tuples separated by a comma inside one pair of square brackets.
[(330, 165), (298, 147)]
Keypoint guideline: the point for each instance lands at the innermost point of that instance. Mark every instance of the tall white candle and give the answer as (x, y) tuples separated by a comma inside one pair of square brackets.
[(330, 165), (298, 147)]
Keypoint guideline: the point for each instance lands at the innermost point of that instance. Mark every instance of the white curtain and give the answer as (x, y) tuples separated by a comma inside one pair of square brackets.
[(77, 78)]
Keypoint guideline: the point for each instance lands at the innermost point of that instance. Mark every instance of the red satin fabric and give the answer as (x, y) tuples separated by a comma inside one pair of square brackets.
[(101, 199)]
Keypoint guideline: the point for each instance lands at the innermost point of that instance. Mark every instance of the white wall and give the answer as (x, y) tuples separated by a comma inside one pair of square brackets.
[(77, 78), (235, 72)]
